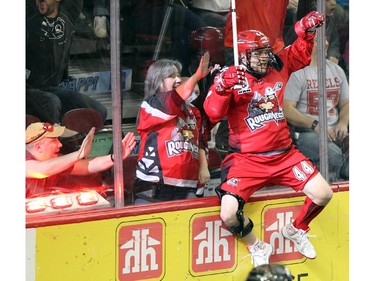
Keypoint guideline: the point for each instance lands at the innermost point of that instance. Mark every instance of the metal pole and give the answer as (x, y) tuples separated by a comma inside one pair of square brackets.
[(163, 30), (116, 101), (234, 31), (323, 135)]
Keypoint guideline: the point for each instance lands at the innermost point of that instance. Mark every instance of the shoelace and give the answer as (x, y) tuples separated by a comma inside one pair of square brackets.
[(252, 255), (305, 238)]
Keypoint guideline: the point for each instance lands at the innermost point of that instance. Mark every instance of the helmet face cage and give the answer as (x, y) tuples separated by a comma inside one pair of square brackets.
[(259, 57)]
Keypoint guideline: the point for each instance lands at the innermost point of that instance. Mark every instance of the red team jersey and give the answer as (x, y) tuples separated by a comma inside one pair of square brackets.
[(170, 140), (267, 16), (255, 111), (258, 130)]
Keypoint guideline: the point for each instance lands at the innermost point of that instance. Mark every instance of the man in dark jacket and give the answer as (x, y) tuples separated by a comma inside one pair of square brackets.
[(50, 27)]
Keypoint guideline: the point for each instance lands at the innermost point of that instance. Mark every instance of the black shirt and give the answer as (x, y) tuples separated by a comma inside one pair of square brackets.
[(48, 42)]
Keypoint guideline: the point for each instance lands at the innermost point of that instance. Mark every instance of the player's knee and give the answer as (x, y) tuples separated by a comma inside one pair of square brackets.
[(228, 216), (233, 217), (326, 196), (318, 190), (231, 204)]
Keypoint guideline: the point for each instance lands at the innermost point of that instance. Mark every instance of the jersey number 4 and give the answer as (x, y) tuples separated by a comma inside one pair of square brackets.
[(306, 169)]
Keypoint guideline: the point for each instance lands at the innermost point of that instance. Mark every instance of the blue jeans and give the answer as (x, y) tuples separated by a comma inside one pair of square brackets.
[(308, 143), (50, 105)]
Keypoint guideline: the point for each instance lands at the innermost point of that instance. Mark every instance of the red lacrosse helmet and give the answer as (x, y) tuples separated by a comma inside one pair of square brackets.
[(209, 39), (250, 41)]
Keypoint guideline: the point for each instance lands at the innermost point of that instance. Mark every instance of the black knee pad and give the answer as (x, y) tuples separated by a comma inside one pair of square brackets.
[(239, 230)]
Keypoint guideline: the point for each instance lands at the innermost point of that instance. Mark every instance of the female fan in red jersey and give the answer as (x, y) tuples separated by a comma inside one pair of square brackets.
[(172, 157)]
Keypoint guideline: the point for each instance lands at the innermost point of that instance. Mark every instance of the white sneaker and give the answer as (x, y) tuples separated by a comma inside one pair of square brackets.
[(300, 238), (100, 26), (260, 254)]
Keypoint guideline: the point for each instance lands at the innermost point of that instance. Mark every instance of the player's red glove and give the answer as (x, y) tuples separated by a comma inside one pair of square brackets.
[(233, 75), (309, 23)]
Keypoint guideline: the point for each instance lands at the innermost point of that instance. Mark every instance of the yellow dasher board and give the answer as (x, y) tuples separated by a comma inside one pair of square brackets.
[(183, 240)]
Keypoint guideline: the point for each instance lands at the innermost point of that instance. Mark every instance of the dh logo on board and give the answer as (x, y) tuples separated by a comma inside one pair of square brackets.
[(213, 246), (274, 219), (140, 251)]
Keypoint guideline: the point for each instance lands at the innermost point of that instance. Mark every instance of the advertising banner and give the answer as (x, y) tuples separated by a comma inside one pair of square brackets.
[(188, 244)]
